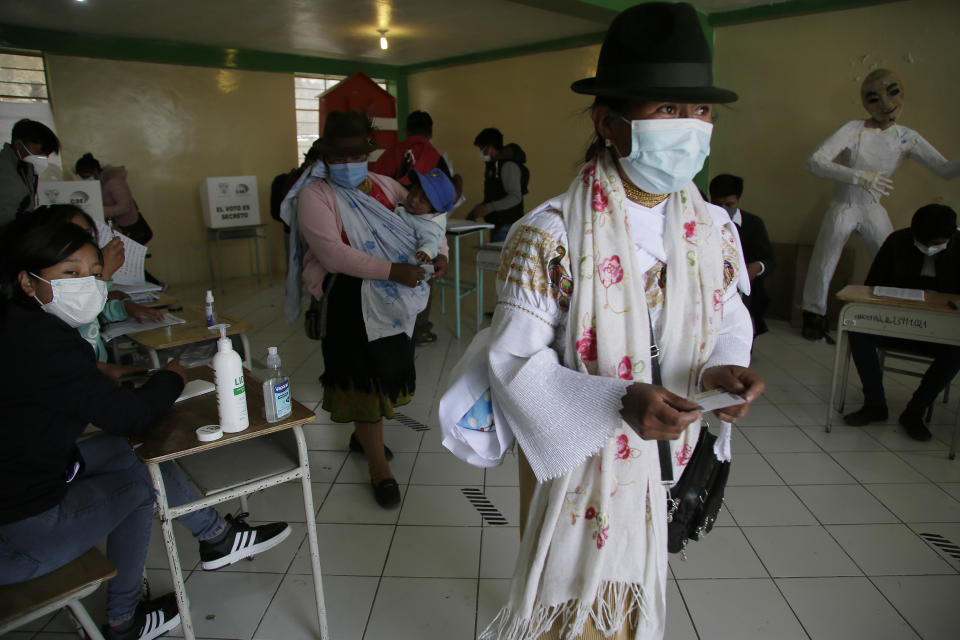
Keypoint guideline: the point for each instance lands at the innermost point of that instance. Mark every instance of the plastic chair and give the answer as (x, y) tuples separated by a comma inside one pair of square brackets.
[(26, 601)]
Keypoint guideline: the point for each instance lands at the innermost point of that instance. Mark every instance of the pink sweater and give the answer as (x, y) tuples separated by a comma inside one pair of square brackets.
[(322, 229), (117, 198)]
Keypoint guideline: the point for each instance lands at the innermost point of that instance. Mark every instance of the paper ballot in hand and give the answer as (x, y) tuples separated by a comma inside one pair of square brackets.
[(134, 254), (716, 399)]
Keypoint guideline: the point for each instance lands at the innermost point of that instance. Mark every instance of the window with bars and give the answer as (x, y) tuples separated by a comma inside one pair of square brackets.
[(307, 88), (22, 78)]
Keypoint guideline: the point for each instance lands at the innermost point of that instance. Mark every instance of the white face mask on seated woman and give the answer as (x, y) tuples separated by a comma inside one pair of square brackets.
[(666, 153), (76, 301)]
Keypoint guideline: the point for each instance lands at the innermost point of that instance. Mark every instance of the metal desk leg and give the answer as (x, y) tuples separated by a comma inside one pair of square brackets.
[(166, 525), (266, 254), (841, 352), (256, 255), (456, 280), (311, 517), (154, 358), (213, 274), (220, 263), (247, 355)]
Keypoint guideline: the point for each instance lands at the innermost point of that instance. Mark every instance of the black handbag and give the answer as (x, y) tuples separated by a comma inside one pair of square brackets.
[(694, 502)]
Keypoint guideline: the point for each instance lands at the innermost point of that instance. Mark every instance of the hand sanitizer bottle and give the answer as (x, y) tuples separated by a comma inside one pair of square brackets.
[(276, 389), (228, 377), (208, 310)]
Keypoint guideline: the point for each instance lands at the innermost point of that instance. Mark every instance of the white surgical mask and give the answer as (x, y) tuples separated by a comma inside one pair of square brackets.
[(76, 301), (40, 163), (666, 153), (931, 250), (486, 157)]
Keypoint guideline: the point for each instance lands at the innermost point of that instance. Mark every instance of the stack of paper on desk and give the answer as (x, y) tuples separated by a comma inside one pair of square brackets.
[(131, 325), (900, 294)]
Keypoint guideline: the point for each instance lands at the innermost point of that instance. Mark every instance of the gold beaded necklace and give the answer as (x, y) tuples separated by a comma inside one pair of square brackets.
[(641, 197)]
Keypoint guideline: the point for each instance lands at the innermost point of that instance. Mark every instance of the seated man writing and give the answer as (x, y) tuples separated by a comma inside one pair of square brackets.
[(925, 256)]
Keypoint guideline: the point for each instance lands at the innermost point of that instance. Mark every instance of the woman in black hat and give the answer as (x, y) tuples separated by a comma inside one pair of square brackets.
[(360, 264), (630, 256)]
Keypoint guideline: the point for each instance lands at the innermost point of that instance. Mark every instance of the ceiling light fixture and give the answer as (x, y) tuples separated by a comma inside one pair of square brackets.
[(383, 38)]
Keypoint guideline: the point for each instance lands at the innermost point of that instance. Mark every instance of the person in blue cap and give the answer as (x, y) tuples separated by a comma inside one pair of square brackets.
[(431, 197)]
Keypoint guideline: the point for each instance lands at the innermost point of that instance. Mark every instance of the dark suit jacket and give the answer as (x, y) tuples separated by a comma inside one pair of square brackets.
[(899, 262), (756, 248)]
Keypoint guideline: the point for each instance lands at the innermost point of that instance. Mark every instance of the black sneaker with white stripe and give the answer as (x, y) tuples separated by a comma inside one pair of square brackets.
[(240, 541), (152, 618)]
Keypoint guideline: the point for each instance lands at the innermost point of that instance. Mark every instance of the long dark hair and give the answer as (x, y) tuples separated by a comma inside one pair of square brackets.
[(86, 164), (62, 213), (597, 143), (28, 245)]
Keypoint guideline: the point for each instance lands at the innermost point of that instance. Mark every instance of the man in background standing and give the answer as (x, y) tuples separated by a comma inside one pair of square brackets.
[(414, 152), (22, 160), (725, 191), (505, 182)]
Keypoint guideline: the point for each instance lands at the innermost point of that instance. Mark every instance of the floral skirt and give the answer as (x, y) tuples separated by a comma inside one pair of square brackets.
[(363, 381)]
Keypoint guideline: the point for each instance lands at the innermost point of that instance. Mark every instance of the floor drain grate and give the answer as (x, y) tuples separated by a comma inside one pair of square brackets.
[(407, 421), (942, 543), (482, 504)]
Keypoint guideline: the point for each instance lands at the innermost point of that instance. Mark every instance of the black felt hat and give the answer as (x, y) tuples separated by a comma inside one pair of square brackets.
[(346, 133), (655, 51)]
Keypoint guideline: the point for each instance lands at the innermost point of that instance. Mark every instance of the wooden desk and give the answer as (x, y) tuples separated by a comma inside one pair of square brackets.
[(175, 437), (195, 330), (163, 300), (929, 321), (458, 229)]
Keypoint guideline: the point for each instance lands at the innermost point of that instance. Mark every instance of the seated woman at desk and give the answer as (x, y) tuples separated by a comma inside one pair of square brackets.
[(57, 265), (360, 264), (925, 255), (58, 497)]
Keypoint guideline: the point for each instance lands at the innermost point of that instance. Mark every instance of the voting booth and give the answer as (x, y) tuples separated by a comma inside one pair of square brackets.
[(230, 202), (85, 194), (359, 93)]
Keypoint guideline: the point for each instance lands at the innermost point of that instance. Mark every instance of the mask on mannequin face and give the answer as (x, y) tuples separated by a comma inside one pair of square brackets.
[(40, 163), (349, 174), (882, 96), (76, 301), (930, 250), (666, 153)]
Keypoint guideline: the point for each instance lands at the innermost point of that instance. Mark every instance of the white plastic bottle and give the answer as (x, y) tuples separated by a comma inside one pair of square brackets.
[(228, 377), (276, 389), (208, 310)]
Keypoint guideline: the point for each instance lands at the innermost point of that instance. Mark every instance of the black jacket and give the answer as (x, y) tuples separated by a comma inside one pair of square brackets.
[(50, 389), (899, 262), (756, 248)]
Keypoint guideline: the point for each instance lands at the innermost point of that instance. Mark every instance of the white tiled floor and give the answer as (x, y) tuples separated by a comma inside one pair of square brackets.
[(821, 538)]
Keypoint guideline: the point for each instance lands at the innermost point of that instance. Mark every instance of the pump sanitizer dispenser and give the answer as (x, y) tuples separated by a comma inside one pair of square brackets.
[(228, 378)]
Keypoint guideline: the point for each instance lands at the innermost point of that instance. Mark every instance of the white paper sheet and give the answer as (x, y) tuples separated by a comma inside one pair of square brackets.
[(899, 294), (131, 325), (134, 254)]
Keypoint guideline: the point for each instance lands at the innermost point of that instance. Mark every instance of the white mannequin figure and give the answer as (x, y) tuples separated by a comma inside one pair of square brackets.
[(860, 157)]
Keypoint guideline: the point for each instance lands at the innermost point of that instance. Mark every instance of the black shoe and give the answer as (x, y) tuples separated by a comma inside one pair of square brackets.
[(241, 540), (866, 415), (356, 446), (387, 493), (151, 619), (912, 421)]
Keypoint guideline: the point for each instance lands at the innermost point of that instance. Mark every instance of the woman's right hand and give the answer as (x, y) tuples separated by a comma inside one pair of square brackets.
[(113, 257), (409, 275), (175, 366), (656, 413)]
